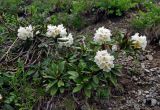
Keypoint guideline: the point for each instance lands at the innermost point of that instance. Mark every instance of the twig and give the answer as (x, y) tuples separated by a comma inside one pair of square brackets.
[(8, 49), (49, 103), (37, 57), (28, 53), (75, 99), (13, 59)]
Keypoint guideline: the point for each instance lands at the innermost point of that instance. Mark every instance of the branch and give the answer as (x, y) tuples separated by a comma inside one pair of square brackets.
[(8, 50)]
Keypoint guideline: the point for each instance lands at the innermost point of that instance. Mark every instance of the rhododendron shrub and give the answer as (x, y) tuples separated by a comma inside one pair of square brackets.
[(87, 67), (91, 66)]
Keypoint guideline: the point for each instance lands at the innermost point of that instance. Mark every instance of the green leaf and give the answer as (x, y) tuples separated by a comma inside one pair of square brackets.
[(87, 92), (61, 66), (49, 86), (53, 91), (103, 92), (107, 74), (86, 79), (73, 74), (116, 72), (82, 65), (30, 72), (77, 88), (60, 83), (94, 68), (95, 79), (113, 79), (61, 90), (54, 68), (48, 77)]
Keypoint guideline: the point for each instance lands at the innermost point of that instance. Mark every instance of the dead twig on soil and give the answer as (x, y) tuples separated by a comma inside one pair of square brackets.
[(49, 103), (8, 50), (75, 99)]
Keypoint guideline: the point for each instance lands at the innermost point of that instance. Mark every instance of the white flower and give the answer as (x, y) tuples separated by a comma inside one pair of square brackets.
[(54, 31), (66, 41), (37, 32), (62, 30), (102, 35), (25, 32), (114, 48), (104, 60), (1, 97), (139, 41)]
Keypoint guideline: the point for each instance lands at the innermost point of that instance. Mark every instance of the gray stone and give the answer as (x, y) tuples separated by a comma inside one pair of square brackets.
[(153, 102), (143, 65), (149, 57), (147, 96), (139, 92), (146, 92), (153, 69), (146, 70), (136, 107), (141, 57)]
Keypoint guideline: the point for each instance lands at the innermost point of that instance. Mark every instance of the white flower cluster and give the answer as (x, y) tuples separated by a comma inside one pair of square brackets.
[(139, 41), (102, 35), (54, 31), (66, 41), (58, 32), (25, 32), (104, 60)]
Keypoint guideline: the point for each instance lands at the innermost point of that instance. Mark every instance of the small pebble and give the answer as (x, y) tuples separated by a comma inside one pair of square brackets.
[(143, 65), (153, 102), (139, 92), (146, 70), (149, 57), (136, 107), (146, 92), (147, 96)]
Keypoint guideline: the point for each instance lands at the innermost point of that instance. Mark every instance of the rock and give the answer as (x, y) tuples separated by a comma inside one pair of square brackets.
[(141, 57), (144, 101), (158, 71), (109, 108), (150, 102), (149, 57), (146, 92), (139, 92), (153, 69), (146, 70), (135, 78), (136, 107), (156, 108), (153, 102), (147, 96), (143, 65)]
